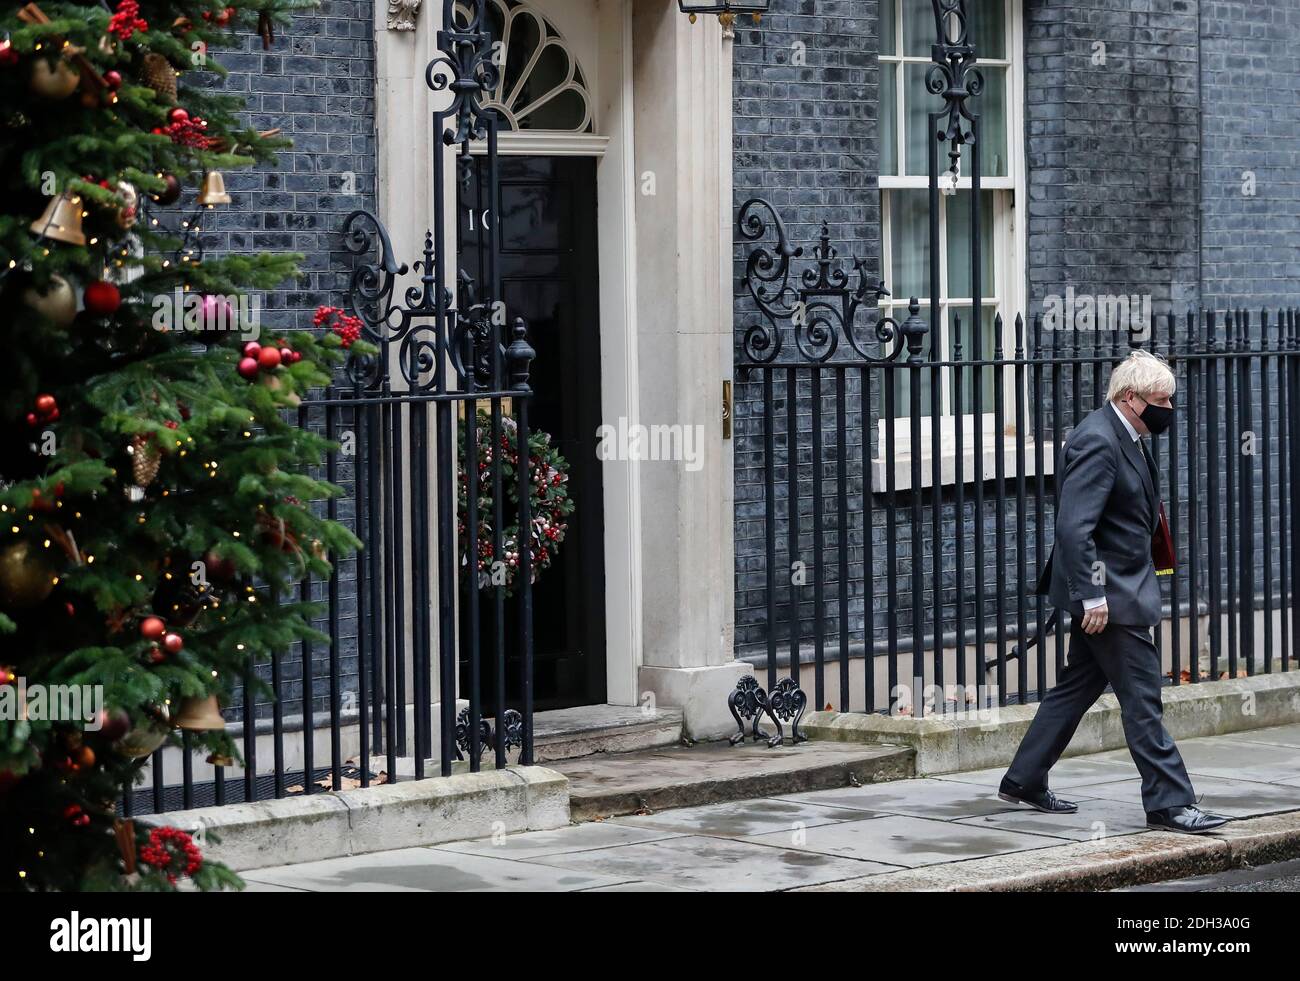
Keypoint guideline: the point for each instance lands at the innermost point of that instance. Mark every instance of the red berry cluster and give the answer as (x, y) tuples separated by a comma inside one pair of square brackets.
[(172, 845), (186, 130), (47, 410), (258, 358), (77, 815), (347, 327), (127, 20)]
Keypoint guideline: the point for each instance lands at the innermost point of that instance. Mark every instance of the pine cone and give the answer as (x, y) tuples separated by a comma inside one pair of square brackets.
[(146, 457), (158, 74)]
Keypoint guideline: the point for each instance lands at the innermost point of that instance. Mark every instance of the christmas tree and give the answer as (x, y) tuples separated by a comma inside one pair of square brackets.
[(153, 494)]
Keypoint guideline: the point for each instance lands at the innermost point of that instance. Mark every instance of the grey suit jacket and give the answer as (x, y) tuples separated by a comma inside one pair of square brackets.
[(1108, 491)]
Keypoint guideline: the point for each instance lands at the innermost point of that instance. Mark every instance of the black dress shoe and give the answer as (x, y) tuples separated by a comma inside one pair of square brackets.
[(1189, 820), (1042, 800)]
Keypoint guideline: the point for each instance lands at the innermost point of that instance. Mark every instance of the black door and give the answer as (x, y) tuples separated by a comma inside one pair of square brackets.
[(548, 264)]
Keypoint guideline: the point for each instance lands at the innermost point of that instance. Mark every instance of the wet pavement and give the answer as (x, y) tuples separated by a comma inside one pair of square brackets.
[(817, 837)]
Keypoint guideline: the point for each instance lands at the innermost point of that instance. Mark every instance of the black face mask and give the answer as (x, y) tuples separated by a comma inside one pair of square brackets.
[(1156, 417)]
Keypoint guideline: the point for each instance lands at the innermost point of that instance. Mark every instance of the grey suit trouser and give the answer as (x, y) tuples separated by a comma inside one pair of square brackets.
[(1125, 657)]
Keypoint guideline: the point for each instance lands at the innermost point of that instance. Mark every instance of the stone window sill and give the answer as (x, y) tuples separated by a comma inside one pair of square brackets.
[(902, 464)]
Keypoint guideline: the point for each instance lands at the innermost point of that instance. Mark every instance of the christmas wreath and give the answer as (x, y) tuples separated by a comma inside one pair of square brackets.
[(550, 504)]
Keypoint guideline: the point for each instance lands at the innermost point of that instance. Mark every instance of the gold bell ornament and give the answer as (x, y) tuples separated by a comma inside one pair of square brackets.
[(200, 715), (214, 189), (61, 220)]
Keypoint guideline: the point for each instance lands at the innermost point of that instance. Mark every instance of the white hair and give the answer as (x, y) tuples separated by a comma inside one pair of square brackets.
[(1144, 374)]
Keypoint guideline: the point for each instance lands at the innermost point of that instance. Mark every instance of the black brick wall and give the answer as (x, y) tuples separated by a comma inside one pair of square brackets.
[(316, 83), (1250, 84)]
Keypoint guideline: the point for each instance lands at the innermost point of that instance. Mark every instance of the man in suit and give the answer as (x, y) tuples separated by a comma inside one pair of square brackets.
[(1101, 571)]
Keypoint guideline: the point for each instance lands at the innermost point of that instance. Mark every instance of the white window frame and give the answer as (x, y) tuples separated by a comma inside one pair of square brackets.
[(1008, 287)]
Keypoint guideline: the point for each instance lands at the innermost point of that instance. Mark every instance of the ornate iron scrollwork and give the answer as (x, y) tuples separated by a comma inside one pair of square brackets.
[(512, 725), (953, 74), (431, 327), (821, 304), (747, 701), (787, 703)]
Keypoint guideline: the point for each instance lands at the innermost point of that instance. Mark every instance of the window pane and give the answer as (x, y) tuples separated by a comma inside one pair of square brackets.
[(968, 353), (889, 117), (917, 106), (990, 29), (959, 253), (991, 106), (888, 42), (909, 241), (918, 27)]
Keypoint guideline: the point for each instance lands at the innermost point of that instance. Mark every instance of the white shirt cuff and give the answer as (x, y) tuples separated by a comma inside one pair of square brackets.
[(1092, 604)]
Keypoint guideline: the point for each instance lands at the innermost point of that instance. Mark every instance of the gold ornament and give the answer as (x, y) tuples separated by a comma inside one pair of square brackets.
[(56, 81), (157, 73), (200, 715), (25, 578), (145, 460), (143, 739), (61, 220), (214, 189), (58, 303)]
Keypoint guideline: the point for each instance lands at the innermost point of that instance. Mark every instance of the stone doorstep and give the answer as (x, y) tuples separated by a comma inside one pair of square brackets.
[(1092, 866), (400, 815), (712, 773), (950, 744)]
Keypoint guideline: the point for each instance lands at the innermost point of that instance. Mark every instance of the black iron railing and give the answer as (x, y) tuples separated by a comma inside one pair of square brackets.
[(895, 534)]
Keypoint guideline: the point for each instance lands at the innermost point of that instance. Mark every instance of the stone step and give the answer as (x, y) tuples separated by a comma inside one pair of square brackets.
[(575, 733), (709, 773)]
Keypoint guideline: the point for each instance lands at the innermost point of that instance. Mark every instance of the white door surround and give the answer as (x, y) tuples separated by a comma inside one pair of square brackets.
[(660, 128)]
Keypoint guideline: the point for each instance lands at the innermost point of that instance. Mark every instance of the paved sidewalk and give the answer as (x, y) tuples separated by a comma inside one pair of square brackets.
[(832, 836)]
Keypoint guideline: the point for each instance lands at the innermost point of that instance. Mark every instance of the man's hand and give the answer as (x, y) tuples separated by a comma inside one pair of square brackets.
[(1095, 620)]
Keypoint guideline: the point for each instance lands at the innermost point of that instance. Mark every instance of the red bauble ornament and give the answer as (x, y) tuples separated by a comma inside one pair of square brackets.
[(178, 115), (102, 299), (151, 628), (113, 79), (269, 358), (252, 349), (114, 725), (156, 656), (172, 643), (248, 367), (171, 192), (45, 405), (8, 56)]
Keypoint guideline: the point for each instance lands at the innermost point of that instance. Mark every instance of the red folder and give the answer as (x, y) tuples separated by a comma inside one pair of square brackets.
[(1162, 545)]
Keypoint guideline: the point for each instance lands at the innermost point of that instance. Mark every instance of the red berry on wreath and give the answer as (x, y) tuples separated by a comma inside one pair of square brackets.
[(269, 358), (173, 643), (45, 404), (102, 299), (151, 628), (248, 367)]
